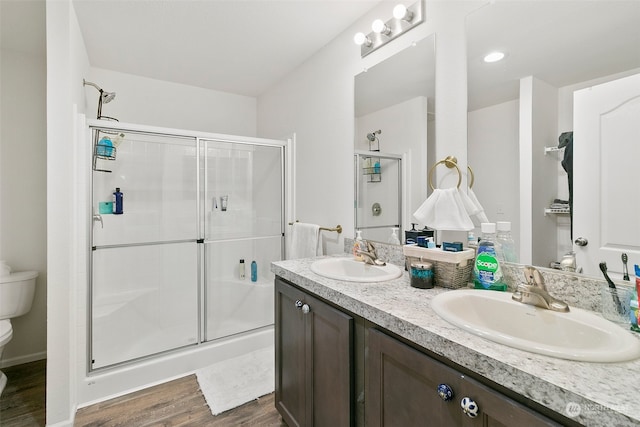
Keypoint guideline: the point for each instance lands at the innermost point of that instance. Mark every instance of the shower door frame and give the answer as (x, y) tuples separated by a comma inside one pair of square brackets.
[(286, 148)]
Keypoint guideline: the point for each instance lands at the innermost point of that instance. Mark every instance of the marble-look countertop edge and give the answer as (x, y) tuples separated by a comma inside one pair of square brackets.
[(553, 383)]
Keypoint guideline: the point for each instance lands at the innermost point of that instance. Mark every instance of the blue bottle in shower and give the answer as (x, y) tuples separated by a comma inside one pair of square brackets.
[(254, 271), (117, 202)]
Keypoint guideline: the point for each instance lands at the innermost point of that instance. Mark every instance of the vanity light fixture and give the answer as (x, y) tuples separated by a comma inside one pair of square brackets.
[(404, 18), (401, 12), (378, 26), (494, 57), (360, 39)]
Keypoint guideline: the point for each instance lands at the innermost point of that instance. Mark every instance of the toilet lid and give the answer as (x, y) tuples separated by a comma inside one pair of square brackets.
[(5, 331)]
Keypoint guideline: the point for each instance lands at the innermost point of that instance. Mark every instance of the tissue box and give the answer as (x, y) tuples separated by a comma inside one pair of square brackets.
[(450, 269)]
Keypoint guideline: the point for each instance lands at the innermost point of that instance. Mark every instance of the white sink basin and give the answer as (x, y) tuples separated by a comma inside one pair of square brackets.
[(350, 270), (576, 335)]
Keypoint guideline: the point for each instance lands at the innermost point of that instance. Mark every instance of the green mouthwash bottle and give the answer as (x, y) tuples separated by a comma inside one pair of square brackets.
[(487, 273)]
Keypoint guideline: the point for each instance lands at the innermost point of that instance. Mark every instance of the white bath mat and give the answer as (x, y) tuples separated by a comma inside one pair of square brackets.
[(231, 383)]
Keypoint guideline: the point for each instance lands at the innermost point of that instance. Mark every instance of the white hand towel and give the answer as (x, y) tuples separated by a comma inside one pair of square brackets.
[(479, 214), (305, 241), (469, 205), (444, 210)]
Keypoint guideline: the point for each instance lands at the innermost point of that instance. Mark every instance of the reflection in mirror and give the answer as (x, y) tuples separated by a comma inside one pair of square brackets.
[(519, 106), (378, 195), (397, 97)]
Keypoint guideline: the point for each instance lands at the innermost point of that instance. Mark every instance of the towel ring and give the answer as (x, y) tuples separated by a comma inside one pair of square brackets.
[(450, 162), (473, 178)]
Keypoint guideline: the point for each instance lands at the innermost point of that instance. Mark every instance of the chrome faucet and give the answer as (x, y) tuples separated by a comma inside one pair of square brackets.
[(369, 256), (534, 292)]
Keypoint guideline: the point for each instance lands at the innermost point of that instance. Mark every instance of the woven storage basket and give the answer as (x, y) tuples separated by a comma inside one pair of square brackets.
[(450, 269)]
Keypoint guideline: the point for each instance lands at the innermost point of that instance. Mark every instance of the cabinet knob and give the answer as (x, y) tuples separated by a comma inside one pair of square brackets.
[(298, 304), (306, 308), (469, 407), (445, 392)]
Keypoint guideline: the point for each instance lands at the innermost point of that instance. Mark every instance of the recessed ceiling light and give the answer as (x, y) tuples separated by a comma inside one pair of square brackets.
[(494, 57)]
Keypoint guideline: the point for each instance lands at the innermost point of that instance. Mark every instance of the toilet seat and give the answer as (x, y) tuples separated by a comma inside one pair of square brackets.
[(6, 332)]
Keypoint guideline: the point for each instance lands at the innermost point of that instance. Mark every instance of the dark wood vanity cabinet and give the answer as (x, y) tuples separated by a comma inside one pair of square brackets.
[(314, 360), (401, 389), (326, 359)]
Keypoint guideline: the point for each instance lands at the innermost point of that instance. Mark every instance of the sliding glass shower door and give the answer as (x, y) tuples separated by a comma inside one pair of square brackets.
[(242, 215), (144, 291), (166, 273)]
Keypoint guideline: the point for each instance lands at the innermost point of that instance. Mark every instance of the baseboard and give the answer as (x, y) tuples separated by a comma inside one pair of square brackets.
[(5, 363)]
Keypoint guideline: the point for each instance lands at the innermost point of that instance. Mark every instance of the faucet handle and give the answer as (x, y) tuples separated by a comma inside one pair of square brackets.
[(534, 277), (370, 247)]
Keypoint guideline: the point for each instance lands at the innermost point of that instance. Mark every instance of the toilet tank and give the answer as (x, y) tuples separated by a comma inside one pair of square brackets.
[(16, 293)]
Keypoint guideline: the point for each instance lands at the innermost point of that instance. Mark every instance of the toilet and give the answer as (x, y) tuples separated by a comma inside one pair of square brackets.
[(16, 296)]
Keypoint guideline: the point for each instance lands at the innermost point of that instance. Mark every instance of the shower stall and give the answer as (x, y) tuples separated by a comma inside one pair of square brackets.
[(166, 274)]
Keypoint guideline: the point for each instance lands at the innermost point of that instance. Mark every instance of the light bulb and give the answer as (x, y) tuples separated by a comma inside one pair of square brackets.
[(401, 12), (361, 39), (378, 26), (494, 57)]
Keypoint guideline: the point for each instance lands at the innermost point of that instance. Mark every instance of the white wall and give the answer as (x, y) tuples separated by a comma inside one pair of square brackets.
[(66, 63), (316, 101), (494, 158), (23, 205), (146, 101)]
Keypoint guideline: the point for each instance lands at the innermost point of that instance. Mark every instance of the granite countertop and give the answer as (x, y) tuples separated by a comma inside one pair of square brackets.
[(593, 394)]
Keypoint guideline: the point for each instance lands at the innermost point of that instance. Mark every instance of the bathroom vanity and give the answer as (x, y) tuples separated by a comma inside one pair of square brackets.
[(376, 354)]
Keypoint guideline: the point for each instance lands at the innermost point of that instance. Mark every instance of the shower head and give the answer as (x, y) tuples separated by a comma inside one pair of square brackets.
[(372, 136), (107, 96)]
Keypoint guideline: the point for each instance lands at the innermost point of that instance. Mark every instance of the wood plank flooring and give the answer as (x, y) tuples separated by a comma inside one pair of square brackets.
[(175, 403), (23, 400)]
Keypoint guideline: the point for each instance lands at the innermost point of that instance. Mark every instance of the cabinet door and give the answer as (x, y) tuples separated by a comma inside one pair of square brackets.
[(330, 365), (290, 355), (314, 360), (401, 386), (497, 410)]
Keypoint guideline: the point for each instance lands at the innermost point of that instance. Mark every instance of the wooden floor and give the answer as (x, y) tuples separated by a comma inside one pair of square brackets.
[(23, 399), (176, 403)]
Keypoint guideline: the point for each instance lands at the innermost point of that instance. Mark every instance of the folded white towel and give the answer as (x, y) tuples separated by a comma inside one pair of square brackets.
[(469, 204), (305, 241), (479, 214), (444, 210)]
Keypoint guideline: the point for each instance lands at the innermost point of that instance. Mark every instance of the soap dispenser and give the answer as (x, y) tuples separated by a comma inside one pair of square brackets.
[(393, 239), (358, 245)]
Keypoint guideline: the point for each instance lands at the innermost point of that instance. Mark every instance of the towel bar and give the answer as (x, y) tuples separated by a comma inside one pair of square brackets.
[(337, 228)]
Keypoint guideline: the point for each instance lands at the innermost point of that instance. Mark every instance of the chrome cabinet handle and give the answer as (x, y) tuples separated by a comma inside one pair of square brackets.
[(306, 308), (445, 392), (469, 407), (98, 217), (581, 241)]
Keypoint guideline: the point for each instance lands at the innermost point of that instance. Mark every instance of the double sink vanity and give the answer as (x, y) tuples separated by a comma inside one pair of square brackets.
[(357, 345)]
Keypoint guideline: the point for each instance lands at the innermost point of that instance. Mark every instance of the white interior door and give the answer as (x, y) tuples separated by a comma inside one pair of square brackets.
[(606, 151)]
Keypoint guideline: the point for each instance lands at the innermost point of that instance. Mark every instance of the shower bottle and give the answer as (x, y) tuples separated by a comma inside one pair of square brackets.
[(254, 271), (117, 202)]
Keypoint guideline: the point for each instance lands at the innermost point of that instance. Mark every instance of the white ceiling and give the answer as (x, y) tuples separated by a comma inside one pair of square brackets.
[(246, 46), (560, 42), (237, 46)]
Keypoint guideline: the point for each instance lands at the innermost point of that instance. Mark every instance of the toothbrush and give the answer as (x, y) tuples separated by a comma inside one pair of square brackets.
[(603, 268), (625, 271)]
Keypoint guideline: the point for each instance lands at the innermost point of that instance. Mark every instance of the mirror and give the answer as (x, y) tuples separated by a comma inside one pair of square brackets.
[(565, 46), (397, 98)]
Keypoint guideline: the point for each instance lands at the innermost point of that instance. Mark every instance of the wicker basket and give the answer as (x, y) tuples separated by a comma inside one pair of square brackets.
[(450, 269)]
